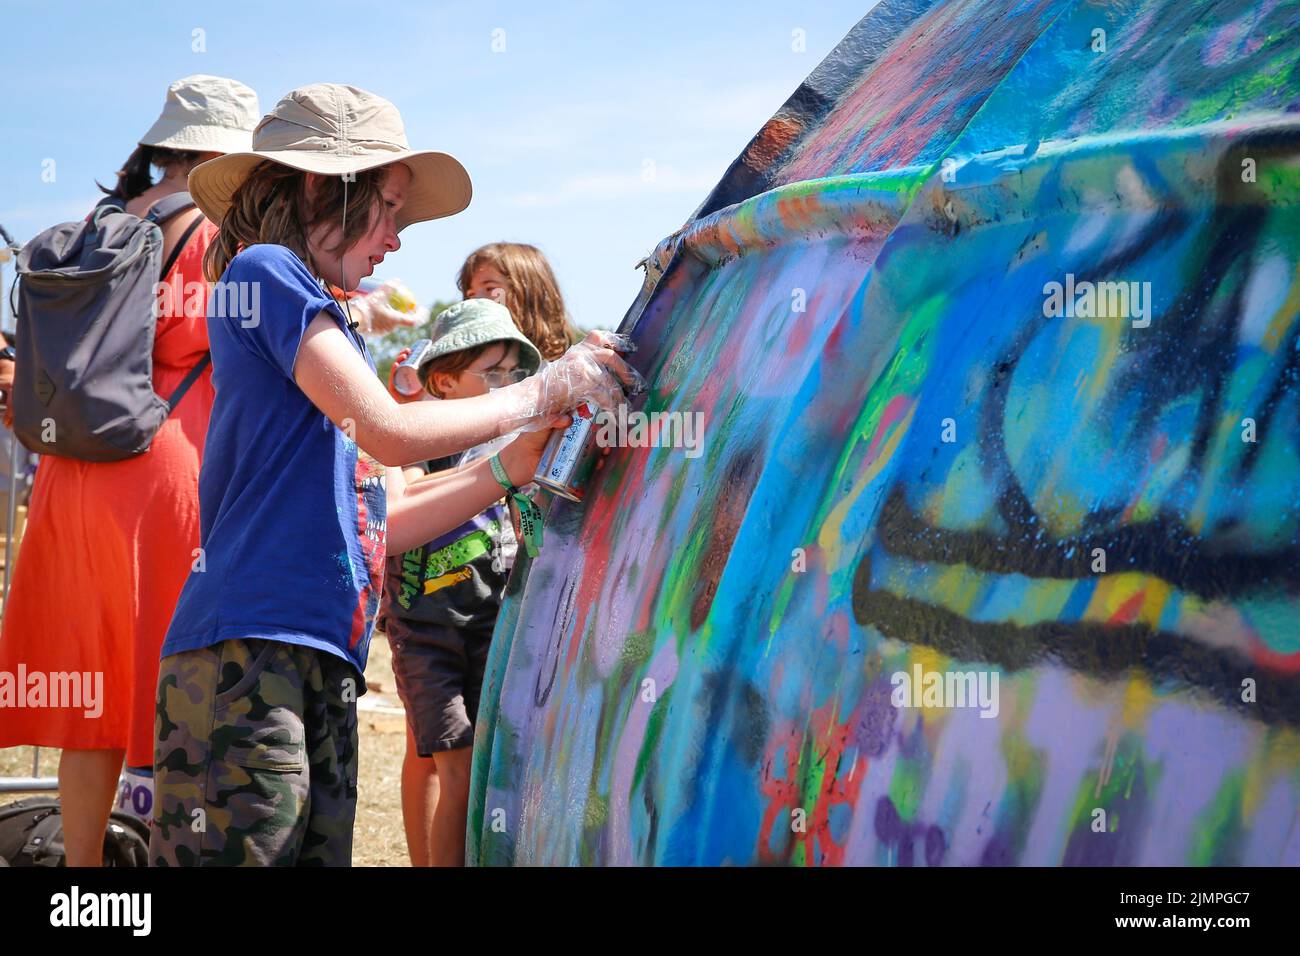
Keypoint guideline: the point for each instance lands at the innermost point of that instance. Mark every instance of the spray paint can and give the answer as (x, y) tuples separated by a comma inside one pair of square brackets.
[(406, 377), (570, 456)]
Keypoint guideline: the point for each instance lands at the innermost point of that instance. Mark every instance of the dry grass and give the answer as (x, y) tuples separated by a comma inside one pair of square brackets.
[(17, 762), (379, 839)]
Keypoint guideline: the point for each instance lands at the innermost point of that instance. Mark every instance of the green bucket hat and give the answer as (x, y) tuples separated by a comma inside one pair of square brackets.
[(478, 322)]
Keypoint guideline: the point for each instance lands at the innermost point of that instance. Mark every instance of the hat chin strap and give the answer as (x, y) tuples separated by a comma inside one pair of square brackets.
[(353, 323)]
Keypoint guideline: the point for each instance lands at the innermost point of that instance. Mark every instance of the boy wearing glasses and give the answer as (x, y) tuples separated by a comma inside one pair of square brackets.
[(441, 599)]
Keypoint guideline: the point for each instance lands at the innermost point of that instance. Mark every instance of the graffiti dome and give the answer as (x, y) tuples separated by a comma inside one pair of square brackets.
[(991, 550)]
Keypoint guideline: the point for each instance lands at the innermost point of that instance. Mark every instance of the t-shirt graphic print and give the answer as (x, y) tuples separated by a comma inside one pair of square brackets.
[(372, 526)]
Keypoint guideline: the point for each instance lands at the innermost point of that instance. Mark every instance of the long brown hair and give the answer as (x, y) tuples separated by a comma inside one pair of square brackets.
[(136, 174), (272, 206), (532, 294)]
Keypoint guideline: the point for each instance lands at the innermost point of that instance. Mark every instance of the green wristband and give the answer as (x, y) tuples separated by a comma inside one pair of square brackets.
[(530, 516)]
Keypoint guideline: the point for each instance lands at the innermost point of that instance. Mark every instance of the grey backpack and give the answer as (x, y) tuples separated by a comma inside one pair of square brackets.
[(83, 386)]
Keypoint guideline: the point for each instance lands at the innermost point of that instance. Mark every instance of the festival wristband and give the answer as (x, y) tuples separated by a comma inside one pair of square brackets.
[(530, 516)]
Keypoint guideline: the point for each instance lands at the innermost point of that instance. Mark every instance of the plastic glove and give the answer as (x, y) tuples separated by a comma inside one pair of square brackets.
[(590, 371), (389, 307)]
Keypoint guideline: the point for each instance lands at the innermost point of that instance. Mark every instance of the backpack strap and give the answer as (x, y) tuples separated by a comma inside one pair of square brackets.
[(170, 205), (179, 247), (174, 399), (164, 209), (159, 212), (44, 843)]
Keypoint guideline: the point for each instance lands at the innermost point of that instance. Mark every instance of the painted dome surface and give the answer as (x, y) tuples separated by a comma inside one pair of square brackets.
[(990, 550)]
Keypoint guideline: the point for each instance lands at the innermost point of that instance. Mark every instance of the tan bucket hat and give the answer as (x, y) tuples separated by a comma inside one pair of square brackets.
[(205, 114), (331, 129)]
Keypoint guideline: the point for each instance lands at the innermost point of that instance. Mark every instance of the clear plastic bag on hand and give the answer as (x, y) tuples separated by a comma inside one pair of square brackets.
[(391, 306), (590, 371), (485, 450)]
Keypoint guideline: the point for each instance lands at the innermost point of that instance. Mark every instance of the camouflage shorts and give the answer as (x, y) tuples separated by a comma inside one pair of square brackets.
[(256, 757)]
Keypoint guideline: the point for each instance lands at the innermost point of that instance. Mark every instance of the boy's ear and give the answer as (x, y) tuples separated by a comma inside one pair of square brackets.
[(311, 184), (443, 382)]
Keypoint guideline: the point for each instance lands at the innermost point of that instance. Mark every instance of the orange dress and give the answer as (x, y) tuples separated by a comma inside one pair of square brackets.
[(107, 548)]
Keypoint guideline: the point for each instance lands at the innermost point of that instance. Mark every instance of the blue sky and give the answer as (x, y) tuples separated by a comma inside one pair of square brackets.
[(559, 131)]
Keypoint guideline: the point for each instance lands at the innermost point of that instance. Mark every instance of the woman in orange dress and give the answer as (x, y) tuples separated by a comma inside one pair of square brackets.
[(108, 545)]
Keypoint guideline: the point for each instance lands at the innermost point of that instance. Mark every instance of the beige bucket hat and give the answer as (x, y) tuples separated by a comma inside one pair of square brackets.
[(331, 129), (206, 114)]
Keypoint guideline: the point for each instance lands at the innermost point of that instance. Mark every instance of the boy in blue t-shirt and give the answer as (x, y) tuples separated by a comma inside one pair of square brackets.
[(256, 756), (441, 599)]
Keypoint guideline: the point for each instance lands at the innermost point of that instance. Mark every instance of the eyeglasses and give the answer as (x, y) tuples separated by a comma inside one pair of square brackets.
[(500, 378)]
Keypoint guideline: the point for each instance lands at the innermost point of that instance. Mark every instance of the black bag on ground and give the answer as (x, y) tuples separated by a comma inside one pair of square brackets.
[(86, 297), (31, 834)]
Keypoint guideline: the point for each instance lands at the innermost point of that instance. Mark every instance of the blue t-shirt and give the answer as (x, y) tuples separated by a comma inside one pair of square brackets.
[(292, 513)]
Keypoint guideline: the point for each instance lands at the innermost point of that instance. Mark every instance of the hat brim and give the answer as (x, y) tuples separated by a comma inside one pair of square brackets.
[(440, 185), (530, 357), (196, 138)]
